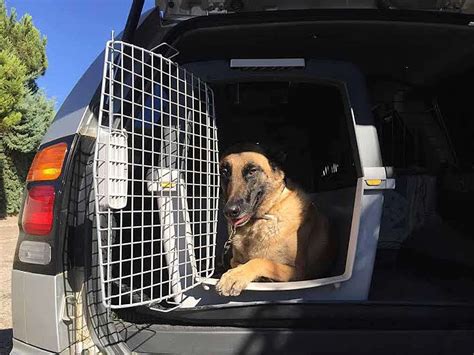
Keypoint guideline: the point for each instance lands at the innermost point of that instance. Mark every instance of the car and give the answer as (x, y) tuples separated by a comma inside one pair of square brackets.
[(122, 239)]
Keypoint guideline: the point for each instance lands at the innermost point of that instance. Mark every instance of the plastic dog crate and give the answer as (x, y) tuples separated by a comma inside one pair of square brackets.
[(156, 177)]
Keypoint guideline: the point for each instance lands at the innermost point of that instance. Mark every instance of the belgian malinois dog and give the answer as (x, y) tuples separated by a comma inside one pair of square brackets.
[(275, 230)]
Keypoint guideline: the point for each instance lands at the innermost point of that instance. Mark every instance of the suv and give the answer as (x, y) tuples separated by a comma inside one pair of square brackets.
[(121, 236)]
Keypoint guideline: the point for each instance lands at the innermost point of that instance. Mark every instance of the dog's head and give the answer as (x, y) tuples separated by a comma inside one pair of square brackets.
[(250, 176)]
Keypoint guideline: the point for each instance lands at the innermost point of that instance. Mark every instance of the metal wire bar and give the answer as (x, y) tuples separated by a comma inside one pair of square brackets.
[(156, 179)]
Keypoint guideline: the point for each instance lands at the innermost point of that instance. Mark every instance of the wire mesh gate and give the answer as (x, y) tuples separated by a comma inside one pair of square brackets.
[(156, 178)]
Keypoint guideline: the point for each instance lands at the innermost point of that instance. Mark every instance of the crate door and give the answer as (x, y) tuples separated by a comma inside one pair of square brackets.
[(156, 179)]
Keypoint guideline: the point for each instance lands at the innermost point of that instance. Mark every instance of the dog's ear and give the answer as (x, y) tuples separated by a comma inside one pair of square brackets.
[(277, 163), (276, 157)]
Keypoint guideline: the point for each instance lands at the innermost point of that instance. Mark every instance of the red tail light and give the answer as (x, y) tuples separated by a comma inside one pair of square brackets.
[(38, 210)]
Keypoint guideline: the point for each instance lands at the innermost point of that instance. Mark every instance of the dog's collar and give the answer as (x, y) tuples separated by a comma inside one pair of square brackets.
[(233, 231)]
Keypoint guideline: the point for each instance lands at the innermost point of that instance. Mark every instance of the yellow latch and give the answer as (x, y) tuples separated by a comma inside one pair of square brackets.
[(373, 182)]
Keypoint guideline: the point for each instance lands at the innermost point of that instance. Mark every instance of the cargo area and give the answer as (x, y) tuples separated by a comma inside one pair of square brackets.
[(426, 244), (400, 251), (336, 120)]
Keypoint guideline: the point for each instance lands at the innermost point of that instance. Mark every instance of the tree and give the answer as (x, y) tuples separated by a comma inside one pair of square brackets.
[(22, 39), (36, 113), (25, 111), (12, 89)]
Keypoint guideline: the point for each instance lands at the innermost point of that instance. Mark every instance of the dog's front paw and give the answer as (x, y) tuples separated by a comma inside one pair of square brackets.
[(233, 282)]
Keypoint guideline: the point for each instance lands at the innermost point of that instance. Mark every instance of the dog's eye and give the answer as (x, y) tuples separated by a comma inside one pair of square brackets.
[(224, 172), (252, 171)]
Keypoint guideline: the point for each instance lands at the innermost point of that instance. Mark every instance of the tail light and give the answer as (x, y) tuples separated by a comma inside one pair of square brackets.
[(48, 163), (38, 210)]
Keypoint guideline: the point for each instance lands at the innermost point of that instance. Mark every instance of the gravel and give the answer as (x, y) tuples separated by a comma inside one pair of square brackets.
[(8, 238)]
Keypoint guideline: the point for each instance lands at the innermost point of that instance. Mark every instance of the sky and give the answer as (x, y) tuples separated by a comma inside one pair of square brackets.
[(76, 32)]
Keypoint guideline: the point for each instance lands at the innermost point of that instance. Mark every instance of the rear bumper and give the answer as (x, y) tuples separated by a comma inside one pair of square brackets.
[(21, 348), (217, 340), (38, 307)]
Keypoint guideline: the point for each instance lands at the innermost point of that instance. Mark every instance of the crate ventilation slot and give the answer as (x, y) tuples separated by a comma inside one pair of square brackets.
[(156, 179)]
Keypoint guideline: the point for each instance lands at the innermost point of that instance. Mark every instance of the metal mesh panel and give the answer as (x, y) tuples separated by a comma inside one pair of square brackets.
[(156, 178)]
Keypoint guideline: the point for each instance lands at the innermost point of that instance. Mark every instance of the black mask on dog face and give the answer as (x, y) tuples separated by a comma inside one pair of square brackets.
[(247, 177)]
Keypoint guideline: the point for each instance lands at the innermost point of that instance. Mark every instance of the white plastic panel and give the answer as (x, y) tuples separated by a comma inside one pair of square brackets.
[(112, 163)]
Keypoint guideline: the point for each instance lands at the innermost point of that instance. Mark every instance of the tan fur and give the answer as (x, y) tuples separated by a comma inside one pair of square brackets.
[(288, 239)]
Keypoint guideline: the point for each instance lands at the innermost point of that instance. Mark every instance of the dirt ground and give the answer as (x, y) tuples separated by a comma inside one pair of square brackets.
[(8, 238)]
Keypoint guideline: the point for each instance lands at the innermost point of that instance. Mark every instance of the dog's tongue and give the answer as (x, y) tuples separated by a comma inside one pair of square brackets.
[(240, 221)]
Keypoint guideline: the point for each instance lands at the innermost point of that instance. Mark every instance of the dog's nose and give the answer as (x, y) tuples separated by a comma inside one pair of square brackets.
[(232, 210)]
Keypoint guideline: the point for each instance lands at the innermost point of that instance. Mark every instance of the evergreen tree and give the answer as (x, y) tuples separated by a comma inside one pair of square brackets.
[(25, 112), (23, 40), (12, 89), (36, 113)]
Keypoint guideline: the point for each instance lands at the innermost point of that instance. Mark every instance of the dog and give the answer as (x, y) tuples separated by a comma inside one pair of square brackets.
[(275, 230)]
